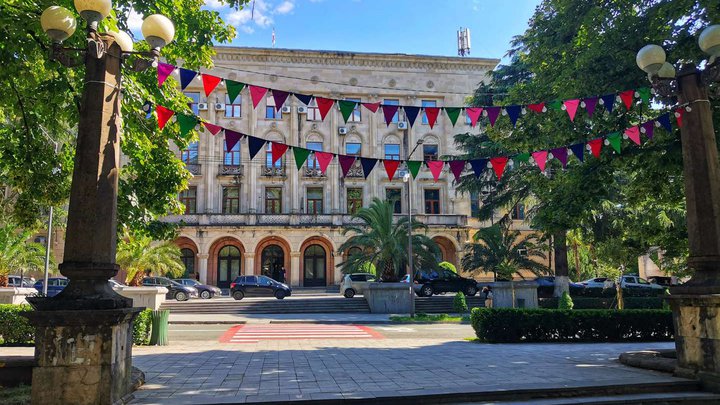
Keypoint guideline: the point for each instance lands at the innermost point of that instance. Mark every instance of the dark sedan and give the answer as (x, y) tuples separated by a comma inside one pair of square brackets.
[(175, 290), (205, 291), (546, 287), (55, 285), (446, 281), (258, 286)]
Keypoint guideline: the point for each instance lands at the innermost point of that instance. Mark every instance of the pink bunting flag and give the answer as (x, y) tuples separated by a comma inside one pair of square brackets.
[(390, 167), (432, 113), (257, 93), (210, 82), (474, 114), (540, 158), (163, 71), (214, 129), (679, 113), (435, 167), (498, 164), (371, 106), (164, 114), (279, 97), (324, 159), (278, 150), (493, 113), (595, 147), (538, 108), (389, 112), (627, 98), (324, 105), (457, 167), (571, 107), (634, 134), (346, 163)]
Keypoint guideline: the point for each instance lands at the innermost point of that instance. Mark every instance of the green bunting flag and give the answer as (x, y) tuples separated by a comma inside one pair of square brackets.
[(346, 108), (233, 89), (555, 104), (453, 113), (301, 155), (187, 123), (615, 140), (414, 167), (644, 93), (523, 157)]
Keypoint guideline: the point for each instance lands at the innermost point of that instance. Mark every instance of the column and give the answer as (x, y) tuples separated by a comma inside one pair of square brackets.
[(203, 266), (295, 275), (249, 267)]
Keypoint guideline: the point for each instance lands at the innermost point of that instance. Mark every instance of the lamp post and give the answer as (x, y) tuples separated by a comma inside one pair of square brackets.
[(407, 177), (696, 304), (87, 328)]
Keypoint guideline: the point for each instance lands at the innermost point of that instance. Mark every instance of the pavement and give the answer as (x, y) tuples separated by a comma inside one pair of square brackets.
[(358, 318)]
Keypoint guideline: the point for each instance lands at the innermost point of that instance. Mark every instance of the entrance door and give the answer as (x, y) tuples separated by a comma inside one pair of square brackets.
[(272, 262), (314, 266), (228, 266)]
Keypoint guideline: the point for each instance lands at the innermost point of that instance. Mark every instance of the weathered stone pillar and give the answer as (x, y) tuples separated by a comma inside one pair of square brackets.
[(203, 266)]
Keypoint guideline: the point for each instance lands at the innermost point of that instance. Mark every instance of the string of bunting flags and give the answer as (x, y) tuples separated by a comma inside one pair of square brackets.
[(324, 105), (456, 165)]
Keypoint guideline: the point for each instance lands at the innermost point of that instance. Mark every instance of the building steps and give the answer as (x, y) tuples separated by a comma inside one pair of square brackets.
[(443, 304)]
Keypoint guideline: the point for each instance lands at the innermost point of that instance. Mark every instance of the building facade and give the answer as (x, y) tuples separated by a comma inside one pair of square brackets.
[(247, 217)]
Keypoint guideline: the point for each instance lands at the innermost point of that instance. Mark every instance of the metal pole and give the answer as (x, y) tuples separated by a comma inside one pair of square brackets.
[(47, 252), (410, 251)]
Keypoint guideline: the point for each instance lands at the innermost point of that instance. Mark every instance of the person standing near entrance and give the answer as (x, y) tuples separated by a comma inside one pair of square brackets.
[(282, 274)]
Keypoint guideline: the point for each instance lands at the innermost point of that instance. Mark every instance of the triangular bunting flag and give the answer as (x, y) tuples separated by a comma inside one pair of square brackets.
[(579, 151), (210, 82), (453, 113), (346, 163), (300, 155), (303, 98), (187, 123), (186, 77), (664, 120), (324, 159), (414, 167), (324, 105), (372, 106), (634, 134), (571, 108), (346, 108), (644, 93), (595, 147), (411, 114), (279, 97), (679, 113), (513, 112), (278, 150), (233, 89), (608, 101), (478, 165), (163, 71), (432, 113), (435, 167), (474, 114), (492, 113), (389, 112), (615, 140), (390, 167), (561, 154), (498, 164), (538, 108), (367, 165), (540, 159), (214, 129), (257, 94), (232, 138), (457, 167), (649, 128), (254, 145), (555, 105), (590, 104), (523, 157), (627, 98), (164, 115)]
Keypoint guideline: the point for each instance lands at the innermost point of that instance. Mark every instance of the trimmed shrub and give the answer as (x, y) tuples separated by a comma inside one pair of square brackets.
[(503, 325), (459, 303), (605, 303), (565, 301), (14, 328), (448, 266), (142, 326)]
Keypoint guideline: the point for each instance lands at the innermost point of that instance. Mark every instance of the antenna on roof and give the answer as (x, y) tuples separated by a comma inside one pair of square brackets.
[(463, 41)]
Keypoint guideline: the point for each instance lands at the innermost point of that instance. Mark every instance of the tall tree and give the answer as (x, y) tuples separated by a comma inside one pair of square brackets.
[(137, 255)]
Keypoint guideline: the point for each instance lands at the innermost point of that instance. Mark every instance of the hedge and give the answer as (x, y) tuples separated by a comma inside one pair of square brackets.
[(503, 325), (606, 303), (16, 329)]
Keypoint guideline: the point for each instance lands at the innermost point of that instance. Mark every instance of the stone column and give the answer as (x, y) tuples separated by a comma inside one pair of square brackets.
[(249, 263), (203, 266), (295, 275)]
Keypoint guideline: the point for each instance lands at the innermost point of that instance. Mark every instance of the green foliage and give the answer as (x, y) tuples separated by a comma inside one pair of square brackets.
[(20, 395), (430, 318), (16, 253), (142, 326), (138, 254), (606, 303), (565, 301), (507, 325), (366, 267), (459, 303), (448, 266), (384, 243), (14, 328)]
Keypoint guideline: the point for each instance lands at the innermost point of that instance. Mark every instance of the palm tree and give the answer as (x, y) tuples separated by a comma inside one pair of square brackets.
[(383, 242), (17, 254), (138, 255)]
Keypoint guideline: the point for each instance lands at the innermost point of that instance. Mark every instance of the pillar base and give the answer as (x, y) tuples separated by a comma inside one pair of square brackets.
[(82, 357)]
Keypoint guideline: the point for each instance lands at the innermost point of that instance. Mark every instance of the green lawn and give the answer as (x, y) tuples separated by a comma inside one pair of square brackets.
[(431, 318), (15, 395)]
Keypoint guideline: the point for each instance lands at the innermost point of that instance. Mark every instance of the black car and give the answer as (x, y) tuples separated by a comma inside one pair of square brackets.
[(175, 290), (258, 286), (205, 291), (446, 281)]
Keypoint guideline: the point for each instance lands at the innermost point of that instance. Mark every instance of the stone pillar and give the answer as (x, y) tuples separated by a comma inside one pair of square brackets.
[(203, 266), (249, 269), (295, 275)]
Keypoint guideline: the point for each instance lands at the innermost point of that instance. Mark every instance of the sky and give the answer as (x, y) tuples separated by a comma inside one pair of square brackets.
[(386, 26)]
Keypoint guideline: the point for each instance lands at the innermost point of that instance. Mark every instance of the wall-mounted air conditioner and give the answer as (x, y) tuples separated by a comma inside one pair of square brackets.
[(202, 106), (342, 130), (286, 110), (402, 125), (219, 106), (302, 109)]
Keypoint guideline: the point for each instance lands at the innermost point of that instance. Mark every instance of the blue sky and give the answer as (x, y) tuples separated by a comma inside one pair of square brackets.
[(392, 26)]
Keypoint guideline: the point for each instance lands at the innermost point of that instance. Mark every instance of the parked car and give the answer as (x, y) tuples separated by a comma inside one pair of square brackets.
[(205, 291), (663, 281), (114, 284), (14, 281), (632, 281), (447, 281), (598, 282), (355, 283), (175, 290), (546, 286), (55, 285), (258, 286)]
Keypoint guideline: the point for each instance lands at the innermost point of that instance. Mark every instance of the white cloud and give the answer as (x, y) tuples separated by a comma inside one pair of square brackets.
[(214, 4), (285, 7), (134, 20), (262, 16)]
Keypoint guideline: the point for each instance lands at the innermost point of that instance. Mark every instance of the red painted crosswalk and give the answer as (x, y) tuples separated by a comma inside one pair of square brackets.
[(256, 333)]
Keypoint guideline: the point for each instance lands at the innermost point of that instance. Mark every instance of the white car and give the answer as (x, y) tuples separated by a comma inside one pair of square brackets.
[(599, 282), (637, 282), (355, 283)]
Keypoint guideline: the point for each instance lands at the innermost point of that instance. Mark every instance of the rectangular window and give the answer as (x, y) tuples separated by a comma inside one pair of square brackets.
[(355, 116), (193, 104), (518, 212), (427, 103), (234, 109), (394, 196), (353, 149), (189, 156), (312, 163), (315, 200), (270, 112), (430, 152), (474, 204), (273, 200), (392, 151), (393, 102), (313, 112), (231, 200), (268, 157), (432, 201), (188, 198), (231, 157), (354, 200)]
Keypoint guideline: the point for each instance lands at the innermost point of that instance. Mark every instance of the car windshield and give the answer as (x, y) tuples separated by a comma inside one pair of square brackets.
[(641, 281), (262, 280), (190, 282)]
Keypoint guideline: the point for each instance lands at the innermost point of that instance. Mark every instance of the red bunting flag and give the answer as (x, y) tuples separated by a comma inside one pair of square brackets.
[(163, 71), (634, 134), (371, 106), (435, 167), (540, 159), (538, 108), (164, 115), (432, 113), (457, 167), (278, 150), (324, 105), (627, 98), (679, 113), (209, 83), (214, 129), (498, 164), (571, 107), (474, 114), (279, 97), (346, 163), (390, 167), (389, 112), (257, 94), (324, 159), (595, 146)]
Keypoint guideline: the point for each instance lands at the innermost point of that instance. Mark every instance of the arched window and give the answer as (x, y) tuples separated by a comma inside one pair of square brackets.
[(187, 256), (314, 266), (228, 265), (354, 251), (392, 148), (272, 260)]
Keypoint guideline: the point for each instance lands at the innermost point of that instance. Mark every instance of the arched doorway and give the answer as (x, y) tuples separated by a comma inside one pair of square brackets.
[(447, 249), (314, 266), (229, 259), (187, 257), (272, 263)]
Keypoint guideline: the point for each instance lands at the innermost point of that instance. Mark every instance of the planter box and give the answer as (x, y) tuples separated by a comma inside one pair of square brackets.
[(525, 294), (16, 295), (144, 297), (389, 298)]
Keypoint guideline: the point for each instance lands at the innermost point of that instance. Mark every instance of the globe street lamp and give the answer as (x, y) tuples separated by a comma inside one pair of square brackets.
[(87, 328), (696, 303)]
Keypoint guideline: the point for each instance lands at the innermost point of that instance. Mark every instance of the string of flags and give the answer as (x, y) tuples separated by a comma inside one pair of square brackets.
[(456, 165), (324, 105)]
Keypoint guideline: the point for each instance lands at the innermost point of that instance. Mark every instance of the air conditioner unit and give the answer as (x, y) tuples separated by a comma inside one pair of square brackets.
[(302, 110), (219, 106), (402, 125), (286, 110), (342, 130), (202, 106)]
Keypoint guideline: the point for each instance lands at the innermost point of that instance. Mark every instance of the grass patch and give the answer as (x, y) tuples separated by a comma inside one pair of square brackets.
[(431, 318), (15, 396)]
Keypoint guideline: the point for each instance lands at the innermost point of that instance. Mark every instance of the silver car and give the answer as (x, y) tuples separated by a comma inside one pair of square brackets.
[(355, 283)]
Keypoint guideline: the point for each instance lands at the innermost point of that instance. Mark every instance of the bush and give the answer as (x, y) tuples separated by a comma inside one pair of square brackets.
[(605, 303), (459, 303), (501, 325), (14, 328), (565, 301), (448, 266), (612, 292), (142, 326)]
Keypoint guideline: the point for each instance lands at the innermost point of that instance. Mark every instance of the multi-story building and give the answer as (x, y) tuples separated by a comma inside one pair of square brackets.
[(247, 216)]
